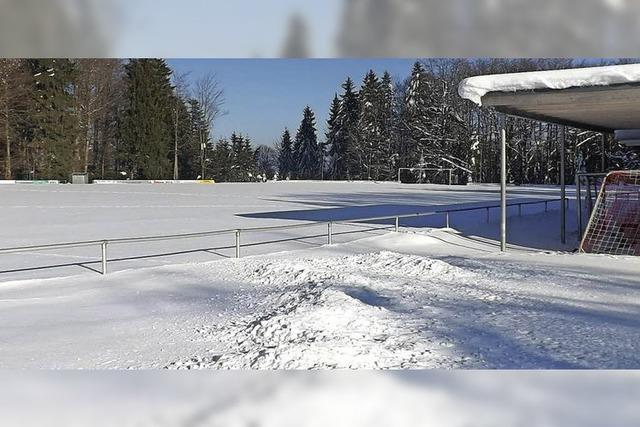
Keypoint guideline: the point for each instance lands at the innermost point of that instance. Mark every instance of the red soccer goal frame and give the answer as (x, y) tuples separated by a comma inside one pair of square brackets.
[(614, 226)]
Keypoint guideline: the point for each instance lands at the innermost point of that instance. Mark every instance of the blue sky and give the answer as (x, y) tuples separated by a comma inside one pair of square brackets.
[(221, 28), (265, 95)]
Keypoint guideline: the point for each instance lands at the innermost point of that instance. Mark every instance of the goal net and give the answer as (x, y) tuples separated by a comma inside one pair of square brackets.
[(614, 227), (425, 176)]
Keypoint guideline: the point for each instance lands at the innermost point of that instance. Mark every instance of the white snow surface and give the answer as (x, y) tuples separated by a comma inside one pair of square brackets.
[(474, 88), (427, 297)]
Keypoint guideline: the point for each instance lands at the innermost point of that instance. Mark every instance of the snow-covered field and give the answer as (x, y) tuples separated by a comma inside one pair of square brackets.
[(423, 298), (42, 214)]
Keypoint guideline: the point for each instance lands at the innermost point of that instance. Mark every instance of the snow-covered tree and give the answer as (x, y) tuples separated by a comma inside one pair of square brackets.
[(285, 156), (369, 125), (348, 133), (308, 153), (334, 143)]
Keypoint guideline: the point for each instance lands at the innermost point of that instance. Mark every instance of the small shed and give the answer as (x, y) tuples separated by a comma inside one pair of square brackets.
[(79, 178)]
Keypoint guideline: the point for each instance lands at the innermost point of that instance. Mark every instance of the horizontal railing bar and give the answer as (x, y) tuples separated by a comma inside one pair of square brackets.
[(534, 202), (437, 212), (380, 218), (52, 246), (250, 229), (285, 227), (170, 236)]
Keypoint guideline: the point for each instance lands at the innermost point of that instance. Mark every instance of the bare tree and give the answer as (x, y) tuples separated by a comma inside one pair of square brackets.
[(94, 96), (181, 94), (210, 96), (13, 101)]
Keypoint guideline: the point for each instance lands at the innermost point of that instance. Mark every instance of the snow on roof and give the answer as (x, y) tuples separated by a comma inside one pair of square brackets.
[(474, 88)]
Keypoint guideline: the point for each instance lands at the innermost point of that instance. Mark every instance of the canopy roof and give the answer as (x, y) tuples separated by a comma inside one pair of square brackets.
[(603, 99)]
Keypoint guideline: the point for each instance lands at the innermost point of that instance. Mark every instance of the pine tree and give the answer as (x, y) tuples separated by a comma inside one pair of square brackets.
[(295, 165), (243, 167), (236, 158), (385, 154), (418, 117), (285, 156), (348, 133), (369, 125), (221, 161), (147, 123), (248, 161), (55, 130), (334, 143), (308, 150)]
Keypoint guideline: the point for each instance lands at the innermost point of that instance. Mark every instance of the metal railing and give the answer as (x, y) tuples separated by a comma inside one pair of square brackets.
[(238, 232)]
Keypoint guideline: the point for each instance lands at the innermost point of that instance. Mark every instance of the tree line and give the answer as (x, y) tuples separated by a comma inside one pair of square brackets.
[(421, 122), (137, 119), (110, 118)]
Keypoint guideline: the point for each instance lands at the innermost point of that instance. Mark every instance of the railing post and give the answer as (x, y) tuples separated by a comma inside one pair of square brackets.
[(330, 233), (103, 246), (397, 224), (447, 218), (238, 243)]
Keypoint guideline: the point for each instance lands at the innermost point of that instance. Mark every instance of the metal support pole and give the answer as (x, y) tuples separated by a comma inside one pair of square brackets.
[(237, 243), (589, 199), (579, 203), (397, 224), (103, 245), (603, 159), (563, 190), (503, 187), (330, 233), (446, 216)]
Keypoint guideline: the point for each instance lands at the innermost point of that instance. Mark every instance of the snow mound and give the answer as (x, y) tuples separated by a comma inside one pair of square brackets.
[(474, 88), (342, 312)]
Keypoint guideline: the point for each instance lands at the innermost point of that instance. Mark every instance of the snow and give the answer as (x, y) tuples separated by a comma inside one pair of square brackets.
[(431, 299), (424, 298), (474, 88)]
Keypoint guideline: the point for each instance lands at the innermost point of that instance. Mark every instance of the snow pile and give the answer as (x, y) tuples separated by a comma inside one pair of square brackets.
[(386, 310), (474, 88), (350, 312)]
